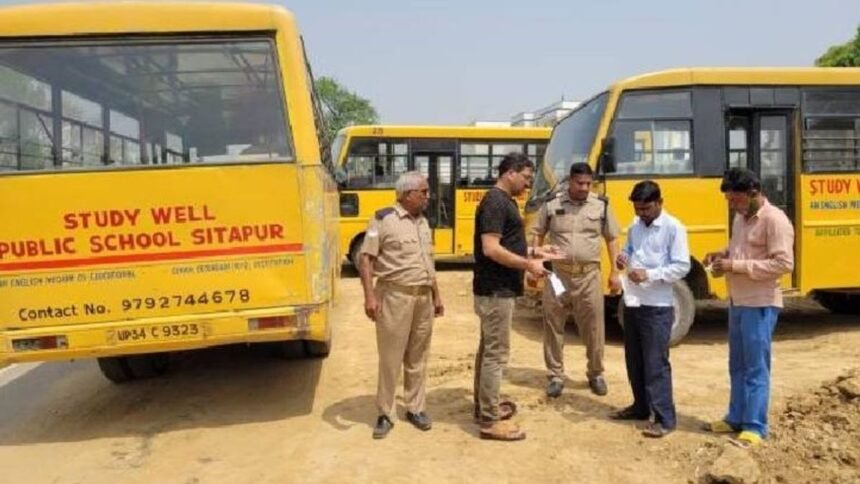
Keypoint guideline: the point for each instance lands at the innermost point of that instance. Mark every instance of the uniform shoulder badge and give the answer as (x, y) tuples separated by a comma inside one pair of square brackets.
[(383, 212)]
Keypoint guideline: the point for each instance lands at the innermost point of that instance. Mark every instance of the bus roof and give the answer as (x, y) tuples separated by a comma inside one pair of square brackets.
[(57, 19), (769, 76), (475, 132)]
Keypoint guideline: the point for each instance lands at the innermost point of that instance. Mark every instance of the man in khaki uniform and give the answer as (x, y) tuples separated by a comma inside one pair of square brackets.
[(398, 250), (575, 221)]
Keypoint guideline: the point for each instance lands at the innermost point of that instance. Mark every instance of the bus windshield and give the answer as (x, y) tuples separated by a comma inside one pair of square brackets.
[(94, 102), (571, 143), (336, 147)]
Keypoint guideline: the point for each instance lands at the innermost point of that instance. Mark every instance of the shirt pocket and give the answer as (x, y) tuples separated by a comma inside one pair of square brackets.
[(756, 238), (561, 223), (592, 222), (409, 243)]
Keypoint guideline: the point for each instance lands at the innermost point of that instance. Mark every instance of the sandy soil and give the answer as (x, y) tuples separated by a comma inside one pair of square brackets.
[(238, 415)]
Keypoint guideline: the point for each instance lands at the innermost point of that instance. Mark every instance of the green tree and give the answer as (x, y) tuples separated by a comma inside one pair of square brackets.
[(342, 107), (842, 55)]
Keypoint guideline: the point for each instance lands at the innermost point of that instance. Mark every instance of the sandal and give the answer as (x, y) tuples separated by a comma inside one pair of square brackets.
[(719, 427), (507, 409), (746, 439), (502, 430)]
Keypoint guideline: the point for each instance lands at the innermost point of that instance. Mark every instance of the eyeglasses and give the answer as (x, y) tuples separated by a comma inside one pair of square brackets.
[(423, 191)]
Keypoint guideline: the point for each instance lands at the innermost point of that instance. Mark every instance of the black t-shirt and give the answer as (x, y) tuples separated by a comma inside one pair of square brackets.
[(498, 214)]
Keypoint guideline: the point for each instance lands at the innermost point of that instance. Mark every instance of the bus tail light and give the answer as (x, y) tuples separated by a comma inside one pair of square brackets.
[(40, 343), (275, 322), (299, 320)]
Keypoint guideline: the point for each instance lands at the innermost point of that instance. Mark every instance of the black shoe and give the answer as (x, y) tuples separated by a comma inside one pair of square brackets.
[(420, 420), (656, 431), (598, 386), (629, 413), (383, 426), (553, 390)]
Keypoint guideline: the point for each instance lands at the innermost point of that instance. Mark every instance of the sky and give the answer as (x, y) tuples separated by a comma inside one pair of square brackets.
[(449, 61), (455, 62)]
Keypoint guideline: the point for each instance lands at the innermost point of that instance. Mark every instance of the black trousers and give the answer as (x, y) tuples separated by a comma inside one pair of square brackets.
[(646, 351)]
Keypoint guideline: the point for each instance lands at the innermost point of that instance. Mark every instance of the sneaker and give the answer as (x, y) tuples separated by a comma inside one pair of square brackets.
[(420, 420), (553, 390), (383, 426), (598, 386), (656, 431)]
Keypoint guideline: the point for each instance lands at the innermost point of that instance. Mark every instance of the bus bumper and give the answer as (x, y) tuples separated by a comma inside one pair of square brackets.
[(155, 335)]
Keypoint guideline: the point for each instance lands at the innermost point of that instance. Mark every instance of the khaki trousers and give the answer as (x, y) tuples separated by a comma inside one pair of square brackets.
[(493, 352), (403, 331), (584, 300)]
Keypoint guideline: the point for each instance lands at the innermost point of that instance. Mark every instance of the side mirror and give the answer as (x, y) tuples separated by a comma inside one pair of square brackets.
[(340, 177), (606, 162)]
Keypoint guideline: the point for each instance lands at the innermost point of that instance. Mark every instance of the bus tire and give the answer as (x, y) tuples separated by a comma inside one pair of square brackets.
[(289, 350), (685, 311), (148, 366), (317, 349), (355, 251), (839, 302), (115, 369)]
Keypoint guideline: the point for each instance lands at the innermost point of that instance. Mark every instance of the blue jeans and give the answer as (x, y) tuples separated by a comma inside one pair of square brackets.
[(750, 334)]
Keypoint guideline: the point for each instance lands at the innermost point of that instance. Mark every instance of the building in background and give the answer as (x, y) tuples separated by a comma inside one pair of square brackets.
[(547, 116)]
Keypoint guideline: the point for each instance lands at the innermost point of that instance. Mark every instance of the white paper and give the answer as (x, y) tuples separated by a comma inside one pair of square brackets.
[(556, 284), (631, 298)]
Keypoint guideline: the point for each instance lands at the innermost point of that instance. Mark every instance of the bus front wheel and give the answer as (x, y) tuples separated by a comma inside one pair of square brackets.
[(685, 311), (839, 302), (355, 251)]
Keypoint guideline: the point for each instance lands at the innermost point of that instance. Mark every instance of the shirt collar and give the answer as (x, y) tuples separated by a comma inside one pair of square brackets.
[(565, 198), (401, 212), (657, 222), (765, 204), (506, 194)]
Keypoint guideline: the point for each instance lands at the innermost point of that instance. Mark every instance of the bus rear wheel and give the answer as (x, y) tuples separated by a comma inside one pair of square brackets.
[(839, 302), (122, 369), (299, 348), (317, 349), (685, 311)]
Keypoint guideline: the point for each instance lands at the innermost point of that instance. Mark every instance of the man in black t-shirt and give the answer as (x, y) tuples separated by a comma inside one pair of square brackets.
[(501, 256)]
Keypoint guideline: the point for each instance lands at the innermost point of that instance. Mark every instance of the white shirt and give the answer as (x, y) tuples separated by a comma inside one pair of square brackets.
[(661, 249)]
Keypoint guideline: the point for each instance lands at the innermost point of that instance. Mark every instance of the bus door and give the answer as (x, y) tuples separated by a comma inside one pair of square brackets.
[(762, 141), (438, 167)]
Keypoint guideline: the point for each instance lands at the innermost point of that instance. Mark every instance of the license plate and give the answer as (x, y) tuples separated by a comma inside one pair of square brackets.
[(156, 332)]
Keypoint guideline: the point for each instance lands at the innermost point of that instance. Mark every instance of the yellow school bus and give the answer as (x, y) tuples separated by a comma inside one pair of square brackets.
[(162, 185), (798, 128), (460, 164)]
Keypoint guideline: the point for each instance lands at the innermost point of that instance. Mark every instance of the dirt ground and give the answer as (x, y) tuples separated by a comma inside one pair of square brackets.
[(237, 415)]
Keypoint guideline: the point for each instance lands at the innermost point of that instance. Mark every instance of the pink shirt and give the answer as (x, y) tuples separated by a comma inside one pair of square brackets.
[(762, 251)]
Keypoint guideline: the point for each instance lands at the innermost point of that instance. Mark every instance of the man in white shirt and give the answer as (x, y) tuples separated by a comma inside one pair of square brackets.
[(655, 256)]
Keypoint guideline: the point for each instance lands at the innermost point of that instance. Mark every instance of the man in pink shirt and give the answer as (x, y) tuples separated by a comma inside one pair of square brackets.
[(760, 252)]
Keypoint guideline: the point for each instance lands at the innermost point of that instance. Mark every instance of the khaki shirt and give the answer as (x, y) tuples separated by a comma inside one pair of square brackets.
[(576, 227), (402, 247)]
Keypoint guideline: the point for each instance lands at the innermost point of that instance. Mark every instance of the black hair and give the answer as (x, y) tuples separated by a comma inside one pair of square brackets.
[(740, 180), (515, 161), (580, 168), (646, 191)]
